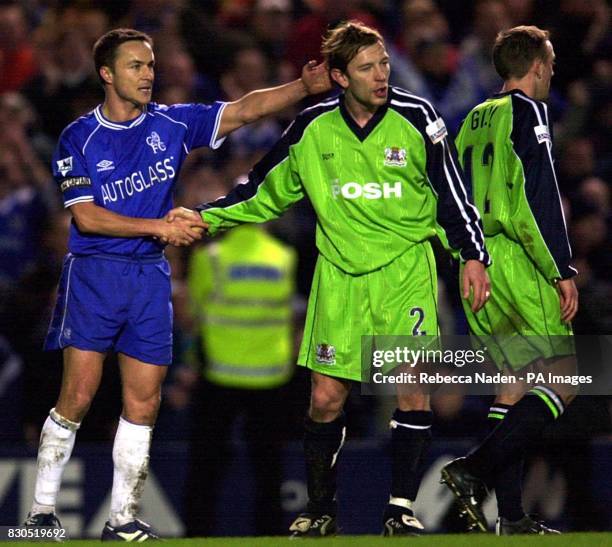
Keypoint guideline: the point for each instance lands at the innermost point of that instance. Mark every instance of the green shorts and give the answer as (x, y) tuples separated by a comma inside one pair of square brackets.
[(397, 299), (521, 321)]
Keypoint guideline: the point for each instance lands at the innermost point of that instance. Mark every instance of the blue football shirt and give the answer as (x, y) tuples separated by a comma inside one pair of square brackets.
[(130, 168)]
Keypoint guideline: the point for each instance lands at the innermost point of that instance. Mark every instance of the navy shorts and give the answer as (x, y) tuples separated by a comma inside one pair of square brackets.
[(107, 302)]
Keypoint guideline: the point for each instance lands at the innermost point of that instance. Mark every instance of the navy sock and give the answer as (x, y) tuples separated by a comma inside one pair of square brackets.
[(410, 440), (507, 481), (523, 423), (322, 444)]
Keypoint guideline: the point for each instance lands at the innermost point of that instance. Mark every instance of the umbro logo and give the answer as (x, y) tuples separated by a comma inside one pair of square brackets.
[(105, 165), (327, 155)]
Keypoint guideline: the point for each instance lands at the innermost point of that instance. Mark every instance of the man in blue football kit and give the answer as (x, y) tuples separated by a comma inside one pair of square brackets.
[(116, 168)]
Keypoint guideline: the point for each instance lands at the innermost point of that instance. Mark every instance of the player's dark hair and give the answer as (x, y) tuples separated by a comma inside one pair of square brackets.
[(105, 48), (343, 42), (517, 48)]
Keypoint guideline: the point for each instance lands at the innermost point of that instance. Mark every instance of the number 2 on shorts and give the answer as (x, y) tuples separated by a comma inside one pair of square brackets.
[(420, 315)]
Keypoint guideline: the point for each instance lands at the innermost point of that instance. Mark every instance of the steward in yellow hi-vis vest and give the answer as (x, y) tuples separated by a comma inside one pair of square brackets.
[(241, 289)]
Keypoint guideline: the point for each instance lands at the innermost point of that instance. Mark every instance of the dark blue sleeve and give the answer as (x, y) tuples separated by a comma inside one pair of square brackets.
[(532, 142), (70, 169), (456, 213), (201, 121)]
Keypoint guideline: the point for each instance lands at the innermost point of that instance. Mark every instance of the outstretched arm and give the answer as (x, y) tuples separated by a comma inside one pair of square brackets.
[(263, 102), (92, 219)]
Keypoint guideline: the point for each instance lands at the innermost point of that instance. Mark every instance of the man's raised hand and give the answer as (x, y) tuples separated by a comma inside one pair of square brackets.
[(315, 78)]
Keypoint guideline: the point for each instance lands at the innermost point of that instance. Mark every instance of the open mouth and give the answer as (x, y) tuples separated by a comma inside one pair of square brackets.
[(381, 92)]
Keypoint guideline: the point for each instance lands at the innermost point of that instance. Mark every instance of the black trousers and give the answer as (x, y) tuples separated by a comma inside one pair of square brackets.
[(215, 410)]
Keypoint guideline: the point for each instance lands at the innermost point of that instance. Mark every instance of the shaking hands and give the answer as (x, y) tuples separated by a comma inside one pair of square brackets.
[(181, 227)]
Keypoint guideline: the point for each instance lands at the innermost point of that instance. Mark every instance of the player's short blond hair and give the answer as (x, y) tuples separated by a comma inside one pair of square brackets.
[(342, 43)]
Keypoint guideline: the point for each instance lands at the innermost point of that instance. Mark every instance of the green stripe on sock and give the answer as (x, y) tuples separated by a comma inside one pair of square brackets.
[(496, 416), (551, 405)]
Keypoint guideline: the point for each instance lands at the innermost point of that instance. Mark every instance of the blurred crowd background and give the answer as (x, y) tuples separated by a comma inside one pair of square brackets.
[(219, 50)]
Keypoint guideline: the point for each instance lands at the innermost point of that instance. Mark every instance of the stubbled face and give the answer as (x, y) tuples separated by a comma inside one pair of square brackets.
[(546, 72), (366, 80), (133, 72)]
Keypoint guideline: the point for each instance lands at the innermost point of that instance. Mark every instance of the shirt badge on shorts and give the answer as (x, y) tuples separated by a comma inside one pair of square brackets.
[(395, 157), (326, 354)]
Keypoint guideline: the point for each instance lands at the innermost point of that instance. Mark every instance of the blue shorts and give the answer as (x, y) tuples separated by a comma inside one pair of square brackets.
[(109, 302)]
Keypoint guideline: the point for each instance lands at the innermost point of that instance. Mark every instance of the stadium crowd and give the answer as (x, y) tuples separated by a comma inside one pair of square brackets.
[(208, 50)]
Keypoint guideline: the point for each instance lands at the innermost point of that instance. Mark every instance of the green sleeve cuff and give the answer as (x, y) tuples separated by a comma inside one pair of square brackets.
[(213, 223)]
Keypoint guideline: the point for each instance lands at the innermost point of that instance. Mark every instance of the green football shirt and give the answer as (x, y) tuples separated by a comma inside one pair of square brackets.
[(505, 147), (376, 190)]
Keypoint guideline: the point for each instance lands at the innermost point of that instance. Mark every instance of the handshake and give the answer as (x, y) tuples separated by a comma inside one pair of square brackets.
[(181, 227)]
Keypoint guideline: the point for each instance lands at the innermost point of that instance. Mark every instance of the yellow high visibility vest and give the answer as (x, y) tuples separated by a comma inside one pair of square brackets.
[(242, 288)]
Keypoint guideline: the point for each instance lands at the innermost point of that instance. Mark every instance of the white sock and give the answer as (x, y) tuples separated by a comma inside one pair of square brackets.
[(401, 502), (131, 465), (56, 444)]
